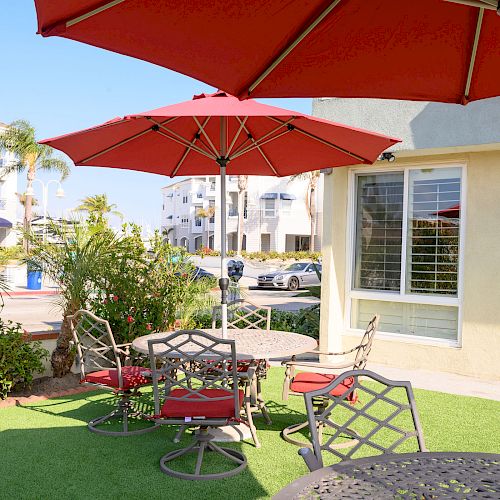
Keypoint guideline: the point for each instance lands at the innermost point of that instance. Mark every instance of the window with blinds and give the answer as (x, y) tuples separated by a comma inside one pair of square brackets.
[(433, 231), (379, 222)]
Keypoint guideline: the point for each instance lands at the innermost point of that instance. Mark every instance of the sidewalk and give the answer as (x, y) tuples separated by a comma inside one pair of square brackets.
[(448, 383)]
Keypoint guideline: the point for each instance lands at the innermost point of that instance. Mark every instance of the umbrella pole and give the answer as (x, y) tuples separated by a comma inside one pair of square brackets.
[(224, 280)]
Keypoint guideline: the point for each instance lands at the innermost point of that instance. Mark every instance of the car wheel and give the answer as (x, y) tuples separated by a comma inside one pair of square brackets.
[(293, 284)]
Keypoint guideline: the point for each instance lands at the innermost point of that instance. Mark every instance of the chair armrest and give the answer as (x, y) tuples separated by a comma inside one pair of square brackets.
[(326, 353), (314, 364)]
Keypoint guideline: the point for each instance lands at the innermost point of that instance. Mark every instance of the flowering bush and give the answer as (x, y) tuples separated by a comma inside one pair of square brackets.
[(154, 291)]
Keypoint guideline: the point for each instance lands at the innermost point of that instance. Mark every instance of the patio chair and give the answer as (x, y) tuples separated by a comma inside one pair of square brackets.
[(381, 417), (315, 375), (103, 364), (189, 397), (243, 314)]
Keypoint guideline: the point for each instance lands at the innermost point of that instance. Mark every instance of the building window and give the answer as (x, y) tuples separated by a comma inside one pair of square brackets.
[(245, 205), (269, 207), (211, 204), (185, 222), (199, 195), (407, 251), (286, 207), (184, 198), (211, 180), (197, 221)]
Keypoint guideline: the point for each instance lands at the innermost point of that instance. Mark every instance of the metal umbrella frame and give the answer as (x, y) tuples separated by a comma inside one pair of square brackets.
[(214, 132)]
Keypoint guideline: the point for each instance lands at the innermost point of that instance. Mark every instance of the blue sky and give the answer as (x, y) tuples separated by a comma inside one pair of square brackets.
[(61, 86)]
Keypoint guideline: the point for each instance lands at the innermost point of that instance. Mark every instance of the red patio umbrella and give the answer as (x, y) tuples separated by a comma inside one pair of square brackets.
[(432, 50), (215, 134)]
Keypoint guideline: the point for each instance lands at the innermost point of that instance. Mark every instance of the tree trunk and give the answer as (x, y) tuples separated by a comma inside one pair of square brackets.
[(28, 205), (63, 356), (240, 223), (312, 217)]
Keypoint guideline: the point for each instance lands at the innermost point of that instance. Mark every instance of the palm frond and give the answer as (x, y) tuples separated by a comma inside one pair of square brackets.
[(55, 164)]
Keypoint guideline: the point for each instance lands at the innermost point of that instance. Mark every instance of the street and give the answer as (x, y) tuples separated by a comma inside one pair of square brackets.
[(41, 312)]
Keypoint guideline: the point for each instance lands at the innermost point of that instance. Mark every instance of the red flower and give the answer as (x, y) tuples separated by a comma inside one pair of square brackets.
[(130, 319), (184, 275), (105, 301), (115, 298), (149, 327)]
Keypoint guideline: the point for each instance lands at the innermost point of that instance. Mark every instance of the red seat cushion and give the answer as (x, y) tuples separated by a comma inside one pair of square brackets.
[(198, 407), (132, 376), (305, 382)]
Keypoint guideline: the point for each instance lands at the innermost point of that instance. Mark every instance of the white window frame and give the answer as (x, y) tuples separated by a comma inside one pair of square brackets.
[(402, 296), (286, 207), (185, 222), (265, 210)]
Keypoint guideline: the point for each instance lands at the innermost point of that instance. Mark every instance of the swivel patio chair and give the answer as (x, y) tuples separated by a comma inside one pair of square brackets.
[(385, 418), (244, 314), (103, 364), (315, 375), (202, 397)]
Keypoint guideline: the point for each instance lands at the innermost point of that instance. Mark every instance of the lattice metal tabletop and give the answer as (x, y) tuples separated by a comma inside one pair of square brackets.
[(250, 343), (403, 476)]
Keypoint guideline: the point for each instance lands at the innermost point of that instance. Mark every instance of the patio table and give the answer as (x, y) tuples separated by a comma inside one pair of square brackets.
[(457, 475), (251, 344)]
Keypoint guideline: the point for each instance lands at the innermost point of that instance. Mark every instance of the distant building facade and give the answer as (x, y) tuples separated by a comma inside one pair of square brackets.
[(275, 215), (8, 200)]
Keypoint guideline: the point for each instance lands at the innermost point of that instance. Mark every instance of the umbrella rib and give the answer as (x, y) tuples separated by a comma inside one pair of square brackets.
[(474, 52), (90, 13), (235, 138), (482, 4), (120, 143), (178, 138), (292, 46), (267, 160), (202, 130), (323, 141), (184, 156), (244, 150)]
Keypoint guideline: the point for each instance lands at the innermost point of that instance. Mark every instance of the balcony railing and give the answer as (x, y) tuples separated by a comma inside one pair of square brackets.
[(3, 203)]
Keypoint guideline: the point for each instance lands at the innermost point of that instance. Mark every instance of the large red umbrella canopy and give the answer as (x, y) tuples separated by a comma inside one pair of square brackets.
[(433, 50), (185, 139)]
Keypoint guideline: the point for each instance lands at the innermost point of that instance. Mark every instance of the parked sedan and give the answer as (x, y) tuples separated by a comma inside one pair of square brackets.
[(292, 277)]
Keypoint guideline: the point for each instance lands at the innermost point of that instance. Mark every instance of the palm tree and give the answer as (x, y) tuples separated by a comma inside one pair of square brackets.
[(206, 213), (98, 207), (22, 200), (312, 184), (242, 187), (19, 139)]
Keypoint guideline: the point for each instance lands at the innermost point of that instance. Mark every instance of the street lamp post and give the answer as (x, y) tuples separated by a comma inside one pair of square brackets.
[(45, 194)]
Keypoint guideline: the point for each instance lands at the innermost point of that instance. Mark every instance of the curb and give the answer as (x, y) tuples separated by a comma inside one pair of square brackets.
[(19, 401), (28, 293)]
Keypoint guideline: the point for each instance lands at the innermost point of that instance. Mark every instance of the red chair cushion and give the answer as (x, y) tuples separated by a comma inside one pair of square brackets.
[(132, 376), (305, 382), (198, 407)]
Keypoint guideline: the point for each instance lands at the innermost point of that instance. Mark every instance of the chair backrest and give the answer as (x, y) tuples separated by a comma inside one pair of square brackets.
[(95, 344), (380, 417), (194, 361), (242, 313), (365, 346)]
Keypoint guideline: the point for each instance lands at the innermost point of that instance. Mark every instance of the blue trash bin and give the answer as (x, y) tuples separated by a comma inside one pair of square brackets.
[(34, 280)]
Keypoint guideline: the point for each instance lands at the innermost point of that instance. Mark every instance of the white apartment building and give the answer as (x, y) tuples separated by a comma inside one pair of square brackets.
[(275, 214), (8, 200)]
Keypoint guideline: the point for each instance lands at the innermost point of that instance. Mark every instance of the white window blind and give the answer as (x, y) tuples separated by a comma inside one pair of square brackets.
[(433, 231), (379, 221)]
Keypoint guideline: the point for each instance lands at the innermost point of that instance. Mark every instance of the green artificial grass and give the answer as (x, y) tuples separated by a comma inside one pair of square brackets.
[(47, 452)]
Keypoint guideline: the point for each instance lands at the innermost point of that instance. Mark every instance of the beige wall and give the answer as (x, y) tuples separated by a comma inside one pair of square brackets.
[(479, 354)]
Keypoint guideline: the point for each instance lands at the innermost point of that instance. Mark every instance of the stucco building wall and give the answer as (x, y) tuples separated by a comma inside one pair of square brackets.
[(479, 352)]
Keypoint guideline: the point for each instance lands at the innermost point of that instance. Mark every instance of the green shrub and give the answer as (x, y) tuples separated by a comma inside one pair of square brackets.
[(10, 253), (263, 256), (304, 321), (19, 359)]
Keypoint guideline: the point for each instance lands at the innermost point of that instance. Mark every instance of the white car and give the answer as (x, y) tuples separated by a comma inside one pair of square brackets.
[(292, 277)]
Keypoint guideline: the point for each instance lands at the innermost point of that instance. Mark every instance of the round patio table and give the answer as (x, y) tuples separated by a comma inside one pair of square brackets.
[(411, 475), (250, 343)]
